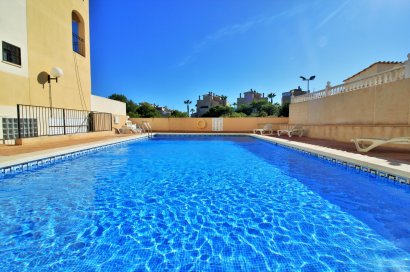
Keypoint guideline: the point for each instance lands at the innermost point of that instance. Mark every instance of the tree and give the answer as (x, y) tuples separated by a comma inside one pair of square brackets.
[(258, 104), (192, 112), (223, 98), (187, 102), (235, 114), (269, 109), (146, 110), (177, 113), (119, 97), (262, 114), (245, 108), (218, 111), (234, 104), (131, 107), (271, 96), (284, 110)]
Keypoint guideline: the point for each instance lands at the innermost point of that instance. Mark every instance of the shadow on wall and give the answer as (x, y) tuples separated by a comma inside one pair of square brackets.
[(42, 78)]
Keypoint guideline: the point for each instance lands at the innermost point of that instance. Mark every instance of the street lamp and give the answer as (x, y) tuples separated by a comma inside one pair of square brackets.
[(307, 79)]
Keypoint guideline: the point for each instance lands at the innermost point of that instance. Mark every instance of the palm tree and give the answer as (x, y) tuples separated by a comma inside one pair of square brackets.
[(187, 102), (223, 98), (234, 104), (192, 112), (271, 96)]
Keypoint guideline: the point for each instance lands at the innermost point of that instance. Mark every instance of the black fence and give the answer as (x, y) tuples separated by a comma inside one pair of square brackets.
[(34, 121)]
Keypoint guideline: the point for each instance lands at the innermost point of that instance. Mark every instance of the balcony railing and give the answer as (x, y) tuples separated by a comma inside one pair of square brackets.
[(388, 76), (78, 44)]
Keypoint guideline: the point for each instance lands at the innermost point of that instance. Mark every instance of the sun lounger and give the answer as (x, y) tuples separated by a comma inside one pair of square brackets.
[(367, 144), (129, 127), (298, 130), (266, 128)]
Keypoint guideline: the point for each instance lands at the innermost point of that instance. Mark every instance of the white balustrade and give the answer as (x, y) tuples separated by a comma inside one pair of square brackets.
[(395, 74)]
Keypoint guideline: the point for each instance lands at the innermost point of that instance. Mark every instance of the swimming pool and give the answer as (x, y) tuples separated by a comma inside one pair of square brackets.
[(202, 204)]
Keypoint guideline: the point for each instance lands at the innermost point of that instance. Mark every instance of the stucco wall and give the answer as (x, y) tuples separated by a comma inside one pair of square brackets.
[(13, 30), (385, 104), (381, 111), (117, 108), (103, 104), (49, 43), (191, 124)]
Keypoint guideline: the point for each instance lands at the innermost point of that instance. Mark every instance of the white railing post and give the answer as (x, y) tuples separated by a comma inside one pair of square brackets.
[(328, 86), (407, 67)]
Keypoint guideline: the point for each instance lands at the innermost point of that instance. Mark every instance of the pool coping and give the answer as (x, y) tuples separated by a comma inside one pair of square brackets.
[(373, 166)]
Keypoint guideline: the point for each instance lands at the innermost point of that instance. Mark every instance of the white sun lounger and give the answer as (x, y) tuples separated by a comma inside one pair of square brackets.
[(367, 144), (297, 129), (266, 128)]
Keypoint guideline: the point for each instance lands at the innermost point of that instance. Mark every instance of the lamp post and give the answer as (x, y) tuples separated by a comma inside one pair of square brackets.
[(307, 79)]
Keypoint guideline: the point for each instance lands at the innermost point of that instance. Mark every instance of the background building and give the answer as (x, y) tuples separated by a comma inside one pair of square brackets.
[(208, 101), (249, 97), (287, 95)]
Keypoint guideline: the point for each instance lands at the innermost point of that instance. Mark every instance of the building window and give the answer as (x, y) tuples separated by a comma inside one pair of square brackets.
[(78, 33), (11, 53)]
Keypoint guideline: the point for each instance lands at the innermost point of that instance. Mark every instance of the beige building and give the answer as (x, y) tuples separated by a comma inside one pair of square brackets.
[(249, 97), (208, 101), (42, 40), (375, 68)]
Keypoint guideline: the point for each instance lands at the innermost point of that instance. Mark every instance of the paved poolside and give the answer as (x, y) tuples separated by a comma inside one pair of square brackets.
[(382, 152), (11, 150), (16, 154)]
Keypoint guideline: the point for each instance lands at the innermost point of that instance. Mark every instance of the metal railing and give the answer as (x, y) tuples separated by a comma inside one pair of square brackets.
[(78, 44), (388, 76), (34, 121)]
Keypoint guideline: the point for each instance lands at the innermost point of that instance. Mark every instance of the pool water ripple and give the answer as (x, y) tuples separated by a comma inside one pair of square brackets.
[(186, 204)]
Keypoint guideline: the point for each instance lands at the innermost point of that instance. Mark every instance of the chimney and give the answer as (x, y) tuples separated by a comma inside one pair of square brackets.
[(240, 95), (199, 97), (263, 94)]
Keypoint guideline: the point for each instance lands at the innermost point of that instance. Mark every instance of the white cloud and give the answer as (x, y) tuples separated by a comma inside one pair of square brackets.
[(332, 14), (237, 29)]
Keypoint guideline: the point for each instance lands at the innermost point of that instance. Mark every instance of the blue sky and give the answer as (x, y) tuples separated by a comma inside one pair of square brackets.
[(165, 52)]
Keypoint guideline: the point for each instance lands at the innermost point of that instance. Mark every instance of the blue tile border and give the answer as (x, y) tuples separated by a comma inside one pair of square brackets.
[(27, 166), (31, 165), (357, 167)]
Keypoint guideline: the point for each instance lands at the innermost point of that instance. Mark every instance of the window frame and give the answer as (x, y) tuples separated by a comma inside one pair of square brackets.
[(11, 54)]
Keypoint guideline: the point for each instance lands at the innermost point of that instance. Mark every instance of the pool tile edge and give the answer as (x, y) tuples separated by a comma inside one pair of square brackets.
[(372, 166), (29, 161)]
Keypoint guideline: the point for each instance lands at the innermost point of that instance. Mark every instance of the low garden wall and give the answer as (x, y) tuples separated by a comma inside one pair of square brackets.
[(245, 124)]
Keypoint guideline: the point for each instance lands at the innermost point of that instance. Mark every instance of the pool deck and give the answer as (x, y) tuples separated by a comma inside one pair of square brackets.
[(389, 160)]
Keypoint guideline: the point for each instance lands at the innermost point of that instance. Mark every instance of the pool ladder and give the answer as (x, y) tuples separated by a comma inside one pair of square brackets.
[(147, 128)]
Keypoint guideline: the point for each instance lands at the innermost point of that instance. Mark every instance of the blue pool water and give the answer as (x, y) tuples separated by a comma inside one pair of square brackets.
[(202, 204)]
